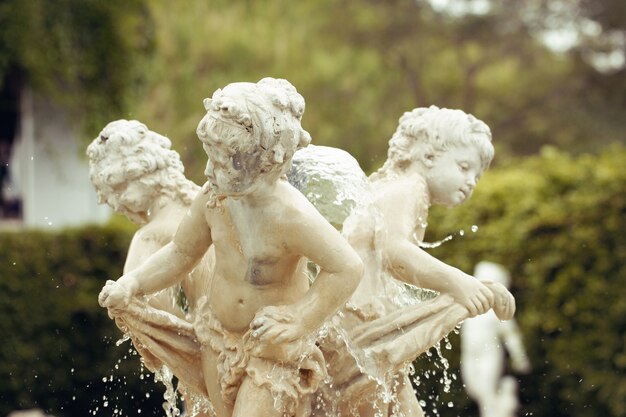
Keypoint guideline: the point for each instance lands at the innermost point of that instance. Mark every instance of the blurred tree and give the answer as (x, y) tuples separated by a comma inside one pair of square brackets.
[(86, 55), (361, 64)]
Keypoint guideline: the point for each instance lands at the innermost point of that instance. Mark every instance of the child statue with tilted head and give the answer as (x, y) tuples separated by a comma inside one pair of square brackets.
[(259, 318), (436, 156), (135, 171)]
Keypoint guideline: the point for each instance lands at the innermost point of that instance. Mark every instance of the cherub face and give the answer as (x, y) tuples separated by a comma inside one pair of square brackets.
[(226, 172), (131, 199), (453, 174), (232, 171)]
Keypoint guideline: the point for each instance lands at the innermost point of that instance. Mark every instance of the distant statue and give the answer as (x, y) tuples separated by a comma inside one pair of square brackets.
[(258, 320), (484, 340)]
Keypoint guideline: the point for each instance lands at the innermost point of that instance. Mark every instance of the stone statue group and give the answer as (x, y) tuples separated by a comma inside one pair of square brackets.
[(256, 334)]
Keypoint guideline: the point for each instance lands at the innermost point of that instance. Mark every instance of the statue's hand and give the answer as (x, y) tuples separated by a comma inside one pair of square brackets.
[(276, 324), (521, 364), (475, 296), (114, 295), (504, 302)]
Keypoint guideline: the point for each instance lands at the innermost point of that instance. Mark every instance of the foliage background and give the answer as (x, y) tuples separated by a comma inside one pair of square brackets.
[(58, 351), (555, 219)]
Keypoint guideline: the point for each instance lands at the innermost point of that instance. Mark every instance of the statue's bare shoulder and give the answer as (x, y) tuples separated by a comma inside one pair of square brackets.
[(194, 232), (307, 233), (402, 211)]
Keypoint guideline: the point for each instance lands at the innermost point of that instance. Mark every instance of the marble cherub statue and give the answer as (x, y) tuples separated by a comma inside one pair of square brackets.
[(258, 320), (135, 171), (436, 156), (484, 340)]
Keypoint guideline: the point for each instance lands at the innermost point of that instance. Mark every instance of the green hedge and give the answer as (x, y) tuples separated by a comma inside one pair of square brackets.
[(58, 345), (558, 224)]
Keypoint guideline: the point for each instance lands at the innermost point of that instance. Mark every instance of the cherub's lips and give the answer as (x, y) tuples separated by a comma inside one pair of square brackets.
[(466, 193)]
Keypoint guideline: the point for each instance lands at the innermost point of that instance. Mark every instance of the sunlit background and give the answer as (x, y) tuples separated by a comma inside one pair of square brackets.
[(548, 77)]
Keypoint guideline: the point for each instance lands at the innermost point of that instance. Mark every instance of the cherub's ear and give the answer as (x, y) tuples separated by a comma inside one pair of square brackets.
[(428, 159), (279, 155), (207, 103)]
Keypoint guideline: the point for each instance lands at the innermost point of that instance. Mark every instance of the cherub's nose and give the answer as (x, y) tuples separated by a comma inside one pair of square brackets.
[(201, 130), (208, 171)]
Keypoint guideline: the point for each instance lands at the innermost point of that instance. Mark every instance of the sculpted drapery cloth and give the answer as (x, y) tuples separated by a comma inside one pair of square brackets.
[(162, 338), (379, 348), (384, 346)]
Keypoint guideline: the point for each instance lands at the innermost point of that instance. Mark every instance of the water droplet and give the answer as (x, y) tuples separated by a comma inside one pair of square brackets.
[(474, 228), (461, 232), (450, 404)]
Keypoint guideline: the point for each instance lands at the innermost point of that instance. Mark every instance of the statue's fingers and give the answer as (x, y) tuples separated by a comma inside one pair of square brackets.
[(512, 303), (113, 312), (283, 336), (273, 335), (489, 296), (257, 322), (104, 294), (484, 304), (109, 301), (275, 314), (262, 329), (510, 310), (471, 307)]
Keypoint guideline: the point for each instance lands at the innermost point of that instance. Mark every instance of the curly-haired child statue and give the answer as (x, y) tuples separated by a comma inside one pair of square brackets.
[(258, 320), (436, 156), (135, 171)]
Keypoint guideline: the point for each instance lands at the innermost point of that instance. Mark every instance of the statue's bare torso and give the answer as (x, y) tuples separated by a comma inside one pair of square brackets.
[(257, 263), (252, 272)]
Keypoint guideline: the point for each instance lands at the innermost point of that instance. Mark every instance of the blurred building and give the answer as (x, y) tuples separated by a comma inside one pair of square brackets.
[(43, 171)]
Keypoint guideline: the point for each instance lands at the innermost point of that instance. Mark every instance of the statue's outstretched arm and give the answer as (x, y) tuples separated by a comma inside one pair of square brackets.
[(512, 339), (409, 263), (168, 265)]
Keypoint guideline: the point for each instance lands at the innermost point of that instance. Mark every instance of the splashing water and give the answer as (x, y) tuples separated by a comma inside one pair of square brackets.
[(436, 244), (331, 179), (194, 404)]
